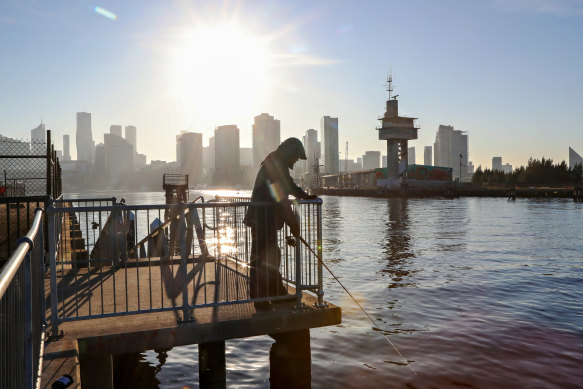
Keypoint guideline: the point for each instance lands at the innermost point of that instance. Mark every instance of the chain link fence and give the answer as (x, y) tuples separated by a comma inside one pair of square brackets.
[(30, 175)]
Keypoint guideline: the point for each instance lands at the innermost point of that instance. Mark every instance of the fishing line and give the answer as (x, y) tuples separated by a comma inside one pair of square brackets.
[(357, 303)]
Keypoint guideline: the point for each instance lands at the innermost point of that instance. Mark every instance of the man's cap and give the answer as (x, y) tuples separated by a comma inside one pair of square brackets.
[(291, 148)]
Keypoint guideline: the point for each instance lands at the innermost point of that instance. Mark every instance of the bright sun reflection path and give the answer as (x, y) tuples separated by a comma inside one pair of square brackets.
[(221, 68), (224, 243)]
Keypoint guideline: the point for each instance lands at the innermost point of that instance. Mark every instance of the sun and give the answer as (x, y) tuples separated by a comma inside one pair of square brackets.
[(221, 71)]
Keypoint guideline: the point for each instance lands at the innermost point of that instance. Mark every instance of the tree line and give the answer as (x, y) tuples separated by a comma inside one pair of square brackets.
[(536, 172)]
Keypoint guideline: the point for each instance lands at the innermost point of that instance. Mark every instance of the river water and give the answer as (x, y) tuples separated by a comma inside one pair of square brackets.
[(473, 292)]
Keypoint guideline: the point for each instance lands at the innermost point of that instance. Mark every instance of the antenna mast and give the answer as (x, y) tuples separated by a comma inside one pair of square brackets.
[(389, 83)]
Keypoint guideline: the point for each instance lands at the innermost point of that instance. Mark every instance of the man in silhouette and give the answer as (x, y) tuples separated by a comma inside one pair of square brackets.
[(273, 186)]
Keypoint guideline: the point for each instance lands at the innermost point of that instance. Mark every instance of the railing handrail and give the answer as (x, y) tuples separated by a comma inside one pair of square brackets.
[(13, 264), (64, 200), (208, 204)]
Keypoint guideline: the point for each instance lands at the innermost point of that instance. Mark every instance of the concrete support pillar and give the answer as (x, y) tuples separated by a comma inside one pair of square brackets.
[(392, 159), (211, 365), (290, 361), (96, 371)]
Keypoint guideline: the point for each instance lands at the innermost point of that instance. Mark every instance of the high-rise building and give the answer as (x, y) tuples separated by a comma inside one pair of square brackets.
[(84, 138), (246, 155), (411, 155), (115, 129), (329, 142), (427, 157), (371, 160), (311, 145), (131, 137), (451, 150), (118, 157), (208, 156), (189, 155), (38, 140), (574, 158), (266, 137), (227, 155), (497, 163), (66, 148)]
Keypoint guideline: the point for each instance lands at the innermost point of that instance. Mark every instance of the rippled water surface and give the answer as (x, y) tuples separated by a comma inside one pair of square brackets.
[(482, 293)]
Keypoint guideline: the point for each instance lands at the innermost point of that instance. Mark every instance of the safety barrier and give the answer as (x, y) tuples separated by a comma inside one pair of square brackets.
[(22, 311), (126, 259)]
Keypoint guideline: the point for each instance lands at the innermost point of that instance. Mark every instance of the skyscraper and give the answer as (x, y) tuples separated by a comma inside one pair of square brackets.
[(66, 149), (371, 160), (574, 158), (427, 157), (266, 137), (451, 150), (189, 155), (310, 141), (411, 155), (329, 141), (118, 157), (84, 137), (497, 163), (115, 129), (131, 137), (38, 140), (227, 155)]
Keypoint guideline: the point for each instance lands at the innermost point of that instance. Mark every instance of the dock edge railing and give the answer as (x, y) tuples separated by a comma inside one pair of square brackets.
[(22, 311), (111, 274)]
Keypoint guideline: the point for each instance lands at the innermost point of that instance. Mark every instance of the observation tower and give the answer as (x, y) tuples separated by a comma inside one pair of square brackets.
[(397, 131)]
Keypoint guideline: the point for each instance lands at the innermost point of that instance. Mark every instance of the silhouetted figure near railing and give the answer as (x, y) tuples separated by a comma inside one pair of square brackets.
[(273, 186)]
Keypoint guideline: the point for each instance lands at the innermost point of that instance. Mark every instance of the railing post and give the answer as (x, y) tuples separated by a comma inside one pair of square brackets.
[(319, 251), (298, 256), (53, 266), (28, 346), (181, 231), (41, 264), (49, 163)]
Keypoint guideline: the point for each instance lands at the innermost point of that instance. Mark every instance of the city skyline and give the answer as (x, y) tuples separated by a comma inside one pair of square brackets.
[(513, 87)]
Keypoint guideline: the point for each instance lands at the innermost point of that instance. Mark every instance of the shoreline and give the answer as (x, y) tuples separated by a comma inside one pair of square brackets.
[(452, 192)]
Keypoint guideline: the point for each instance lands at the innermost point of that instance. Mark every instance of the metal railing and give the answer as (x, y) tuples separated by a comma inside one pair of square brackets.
[(126, 259), (22, 311)]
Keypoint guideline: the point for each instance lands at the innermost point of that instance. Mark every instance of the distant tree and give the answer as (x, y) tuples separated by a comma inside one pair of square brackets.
[(536, 172)]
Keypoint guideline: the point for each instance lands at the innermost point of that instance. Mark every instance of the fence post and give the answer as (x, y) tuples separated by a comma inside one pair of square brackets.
[(49, 162), (298, 256), (53, 266), (28, 346), (181, 231), (319, 250)]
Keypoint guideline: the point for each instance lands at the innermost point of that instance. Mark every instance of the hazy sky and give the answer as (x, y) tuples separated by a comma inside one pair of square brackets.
[(509, 72)]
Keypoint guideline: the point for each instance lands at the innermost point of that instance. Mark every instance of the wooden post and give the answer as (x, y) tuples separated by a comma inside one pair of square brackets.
[(290, 362), (96, 371), (211, 365)]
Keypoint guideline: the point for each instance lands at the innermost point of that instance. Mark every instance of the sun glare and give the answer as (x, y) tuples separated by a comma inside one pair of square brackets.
[(220, 70)]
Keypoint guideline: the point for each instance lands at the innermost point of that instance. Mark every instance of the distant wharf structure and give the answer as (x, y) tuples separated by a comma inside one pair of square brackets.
[(118, 278)]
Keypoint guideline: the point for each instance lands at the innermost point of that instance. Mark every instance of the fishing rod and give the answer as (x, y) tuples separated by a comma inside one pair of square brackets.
[(357, 303)]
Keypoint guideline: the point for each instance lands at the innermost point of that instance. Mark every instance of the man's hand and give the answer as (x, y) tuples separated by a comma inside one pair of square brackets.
[(294, 228), (311, 197)]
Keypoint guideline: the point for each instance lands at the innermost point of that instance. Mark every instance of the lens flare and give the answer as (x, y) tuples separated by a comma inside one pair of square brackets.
[(106, 13)]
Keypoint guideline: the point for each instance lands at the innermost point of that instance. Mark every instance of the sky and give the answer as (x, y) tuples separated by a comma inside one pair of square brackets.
[(506, 71)]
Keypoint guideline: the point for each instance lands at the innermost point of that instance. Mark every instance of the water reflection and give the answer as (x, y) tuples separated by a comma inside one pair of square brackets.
[(452, 223), (398, 247), (332, 222), (134, 371)]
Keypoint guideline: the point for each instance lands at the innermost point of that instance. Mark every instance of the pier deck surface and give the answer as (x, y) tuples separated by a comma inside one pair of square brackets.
[(93, 288)]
